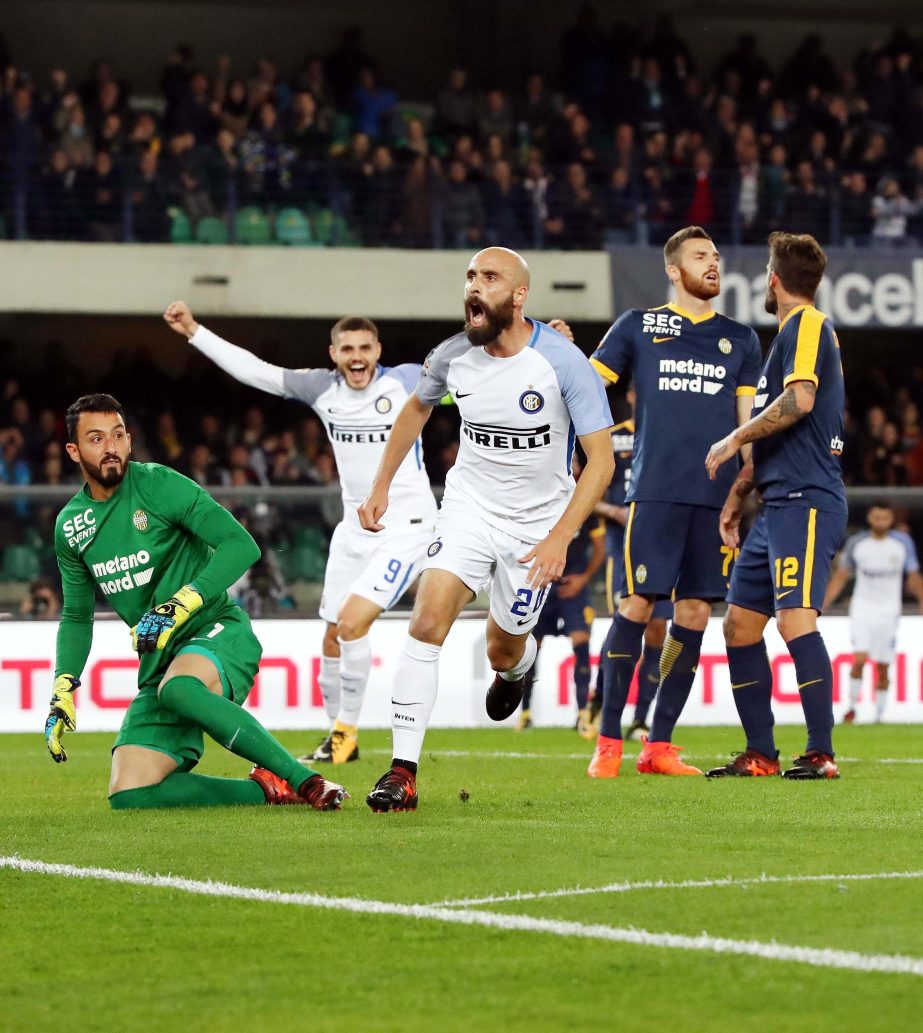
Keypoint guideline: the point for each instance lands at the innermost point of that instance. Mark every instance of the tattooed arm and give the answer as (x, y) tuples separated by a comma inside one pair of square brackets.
[(795, 402)]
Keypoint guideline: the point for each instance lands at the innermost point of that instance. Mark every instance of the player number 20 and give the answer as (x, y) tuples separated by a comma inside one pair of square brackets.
[(787, 572), (521, 606)]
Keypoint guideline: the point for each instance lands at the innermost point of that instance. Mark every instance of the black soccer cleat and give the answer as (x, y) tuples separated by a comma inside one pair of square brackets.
[(810, 765), (503, 697), (637, 730), (396, 790), (746, 764)]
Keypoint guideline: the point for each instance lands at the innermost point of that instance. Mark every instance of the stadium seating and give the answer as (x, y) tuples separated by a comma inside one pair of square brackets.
[(211, 231), (293, 228), (252, 227), (180, 227), (20, 563)]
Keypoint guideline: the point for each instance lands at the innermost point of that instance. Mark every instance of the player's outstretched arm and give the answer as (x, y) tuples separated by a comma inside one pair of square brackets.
[(407, 428), (915, 585), (836, 585), (548, 557), (795, 402), (241, 364)]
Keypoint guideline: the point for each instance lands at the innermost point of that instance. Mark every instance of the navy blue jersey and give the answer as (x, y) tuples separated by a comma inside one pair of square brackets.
[(623, 442), (688, 371), (580, 548), (802, 464)]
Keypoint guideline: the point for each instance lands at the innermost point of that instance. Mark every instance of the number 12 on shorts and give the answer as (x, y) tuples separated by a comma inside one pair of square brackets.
[(521, 607)]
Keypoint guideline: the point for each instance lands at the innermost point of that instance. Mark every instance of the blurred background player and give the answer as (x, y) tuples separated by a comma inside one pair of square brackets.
[(510, 508), (880, 559), (366, 573), (569, 611), (163, 553), (784, 565), (615, 512), (695, 372)]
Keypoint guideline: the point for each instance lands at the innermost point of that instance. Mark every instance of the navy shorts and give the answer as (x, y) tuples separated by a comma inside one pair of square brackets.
[(674, 550), (663, 608), (786, 559), (564, 616)]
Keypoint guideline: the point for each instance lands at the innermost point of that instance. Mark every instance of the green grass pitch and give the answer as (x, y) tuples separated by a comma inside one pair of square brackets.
[(80, 953)]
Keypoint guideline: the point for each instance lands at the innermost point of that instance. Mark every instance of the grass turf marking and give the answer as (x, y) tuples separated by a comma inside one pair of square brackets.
[(820, 958), (588, 753), (660, 884)]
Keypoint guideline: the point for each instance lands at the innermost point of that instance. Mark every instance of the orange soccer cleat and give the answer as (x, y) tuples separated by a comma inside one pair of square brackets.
[(746, 764), (276, 790), (607, 758), (662, 758)]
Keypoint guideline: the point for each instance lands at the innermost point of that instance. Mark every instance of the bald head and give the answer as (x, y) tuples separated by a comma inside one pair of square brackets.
[(510, 265)]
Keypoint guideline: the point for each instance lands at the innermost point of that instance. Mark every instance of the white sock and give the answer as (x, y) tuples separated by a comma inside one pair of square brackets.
[(855, 687), (881, 701), (528, 659), (329, 682), (416, 682), (355, 664)]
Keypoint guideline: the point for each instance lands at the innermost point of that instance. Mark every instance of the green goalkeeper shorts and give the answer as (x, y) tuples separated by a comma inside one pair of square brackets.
[(232, 647)]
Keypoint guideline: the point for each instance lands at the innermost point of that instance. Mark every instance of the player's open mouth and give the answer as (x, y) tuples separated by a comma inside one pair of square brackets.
[(476, 314)]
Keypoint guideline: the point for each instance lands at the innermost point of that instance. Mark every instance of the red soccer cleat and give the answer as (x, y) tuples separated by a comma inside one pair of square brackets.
[(662, 758), (607, 758), (277, 791), (746, 764), (322, 795), (812, 764), (396, 790)]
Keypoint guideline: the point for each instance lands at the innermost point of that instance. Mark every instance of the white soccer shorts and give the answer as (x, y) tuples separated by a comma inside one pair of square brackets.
[(379, 569), (484, 557), (874, 636)]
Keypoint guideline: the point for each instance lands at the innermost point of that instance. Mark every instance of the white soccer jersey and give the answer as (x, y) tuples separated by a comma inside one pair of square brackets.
[(519, 419), (880, 565), (358, 424)]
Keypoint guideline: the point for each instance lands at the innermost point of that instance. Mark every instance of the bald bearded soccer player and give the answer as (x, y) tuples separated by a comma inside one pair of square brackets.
[(511, 506)]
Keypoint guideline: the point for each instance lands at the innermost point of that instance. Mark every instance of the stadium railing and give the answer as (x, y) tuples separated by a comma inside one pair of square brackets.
[(293, 526)]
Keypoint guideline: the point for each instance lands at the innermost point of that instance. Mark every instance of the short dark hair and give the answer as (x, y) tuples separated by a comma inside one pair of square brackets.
[(672, 246), (352, 323), (90, 403), (799, 262), (881, 504)]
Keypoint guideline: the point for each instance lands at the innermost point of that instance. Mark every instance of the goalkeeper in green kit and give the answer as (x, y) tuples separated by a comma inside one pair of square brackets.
[(163, 553)]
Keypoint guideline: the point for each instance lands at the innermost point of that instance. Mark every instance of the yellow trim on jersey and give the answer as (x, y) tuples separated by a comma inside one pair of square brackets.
[(688, 315), (794, 312), (628, 425), (806, 347), (600, 529), (610, 577), (627, 550), (604, 371), (745, 392), (809, 560)]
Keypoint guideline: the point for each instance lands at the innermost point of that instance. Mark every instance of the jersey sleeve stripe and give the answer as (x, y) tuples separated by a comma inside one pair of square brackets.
[(745, 392), (809, 560), (627, 550), (806, 347), (604, 371)]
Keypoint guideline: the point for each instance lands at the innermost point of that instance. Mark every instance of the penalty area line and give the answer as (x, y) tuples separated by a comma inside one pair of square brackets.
[(661, 884), (772, 951)]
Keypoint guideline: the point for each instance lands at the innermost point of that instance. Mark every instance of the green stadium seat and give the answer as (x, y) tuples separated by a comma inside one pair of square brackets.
[(180, 227), (252, 227), (308, 537), (323, 222), (293, 228), (211, 231), (306, 564), (20, 563)]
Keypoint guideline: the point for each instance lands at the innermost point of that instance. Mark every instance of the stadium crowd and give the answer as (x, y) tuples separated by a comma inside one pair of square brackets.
[(635, 139)]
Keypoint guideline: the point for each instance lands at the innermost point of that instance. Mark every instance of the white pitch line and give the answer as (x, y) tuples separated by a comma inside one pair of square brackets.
[(522, 755), (818, 957), (659, 884)]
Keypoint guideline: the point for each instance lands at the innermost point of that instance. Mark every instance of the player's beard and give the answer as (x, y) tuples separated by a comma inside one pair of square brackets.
[(698, 286), (110, 475), (495, 322), (772, 301)]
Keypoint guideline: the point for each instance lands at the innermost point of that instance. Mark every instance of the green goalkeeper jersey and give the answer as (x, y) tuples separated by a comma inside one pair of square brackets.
[(158, 532)]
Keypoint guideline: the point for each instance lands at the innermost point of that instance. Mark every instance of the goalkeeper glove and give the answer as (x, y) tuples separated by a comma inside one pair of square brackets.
[(62, 717), (154, 629)]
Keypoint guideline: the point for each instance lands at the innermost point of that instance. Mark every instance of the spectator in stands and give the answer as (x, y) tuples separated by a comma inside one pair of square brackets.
[(506, 208), (534, 111), (200, 465), (381, 208), (373, 105), (235, 109), (747, 200), (75, 139), (101, 199), (494, 114), (166, 445), (806, 204), (14, 467), (266, 159), (59, 214), (575, 213), (774, 186), (455, 105), (855, 210), (223, 172), (621, 208), (891, 211), (415, 217), (41, 602), (184, 173), (462, 209), (148, 199)]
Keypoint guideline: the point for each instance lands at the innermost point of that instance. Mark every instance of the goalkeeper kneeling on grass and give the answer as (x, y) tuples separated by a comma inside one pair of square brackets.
[(163, 553)]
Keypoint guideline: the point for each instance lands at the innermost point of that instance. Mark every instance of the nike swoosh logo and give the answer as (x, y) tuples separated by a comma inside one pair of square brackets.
[(816, 681), (615, 656), (782, 595), (525, 620), (660, 340), (417, 703), (458, 394), (744, 684)]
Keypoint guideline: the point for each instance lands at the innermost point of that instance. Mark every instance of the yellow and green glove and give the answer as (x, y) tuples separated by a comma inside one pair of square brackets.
[(154, 629), (62, 717)]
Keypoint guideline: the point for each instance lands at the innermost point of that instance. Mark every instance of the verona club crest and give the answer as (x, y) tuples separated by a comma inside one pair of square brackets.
[(139, 519)]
